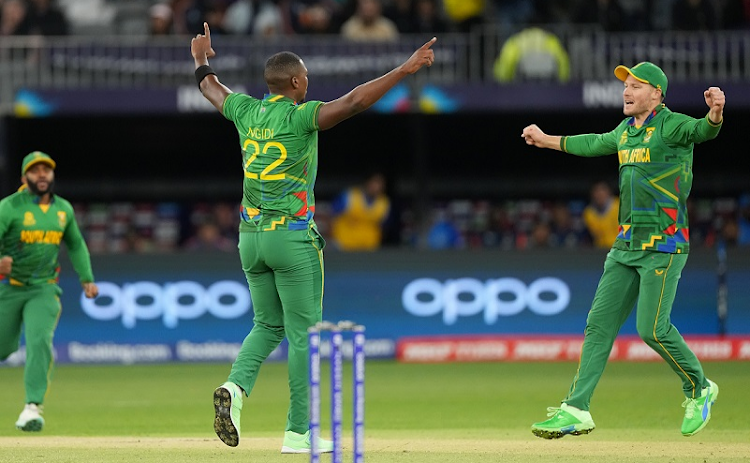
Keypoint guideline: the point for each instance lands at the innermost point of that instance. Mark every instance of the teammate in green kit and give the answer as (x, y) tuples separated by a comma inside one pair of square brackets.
[(655, 150), (280, 247), (33, 223)]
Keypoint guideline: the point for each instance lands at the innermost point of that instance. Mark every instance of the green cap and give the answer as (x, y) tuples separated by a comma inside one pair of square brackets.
[(35, 157), (646, 72)]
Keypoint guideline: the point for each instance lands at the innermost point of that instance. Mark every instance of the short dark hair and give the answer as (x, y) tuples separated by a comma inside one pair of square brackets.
[(280, 68)]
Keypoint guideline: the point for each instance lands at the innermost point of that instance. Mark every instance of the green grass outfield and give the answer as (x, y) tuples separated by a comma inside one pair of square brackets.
[(477, 412)]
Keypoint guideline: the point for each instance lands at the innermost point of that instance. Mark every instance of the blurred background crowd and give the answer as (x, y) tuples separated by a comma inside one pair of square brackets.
[(357, 19), (152, 227)]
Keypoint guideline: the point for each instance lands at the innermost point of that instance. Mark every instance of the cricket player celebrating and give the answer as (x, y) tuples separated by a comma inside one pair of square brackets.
[(33, 223), (655, 150), (280, 248)]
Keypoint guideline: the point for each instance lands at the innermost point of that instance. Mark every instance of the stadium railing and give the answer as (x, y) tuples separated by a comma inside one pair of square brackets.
[(80, 62)]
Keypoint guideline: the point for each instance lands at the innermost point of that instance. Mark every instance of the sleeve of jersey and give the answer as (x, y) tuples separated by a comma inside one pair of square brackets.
[(590, 145), (78, 251), (5, 214), (307, 116), (233, 105), (682, 129)]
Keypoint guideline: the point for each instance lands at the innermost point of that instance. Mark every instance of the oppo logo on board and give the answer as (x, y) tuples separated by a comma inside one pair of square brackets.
[(502, 297)]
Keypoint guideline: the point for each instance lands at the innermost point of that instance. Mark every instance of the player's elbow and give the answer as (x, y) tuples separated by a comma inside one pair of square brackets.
[(356, 102)]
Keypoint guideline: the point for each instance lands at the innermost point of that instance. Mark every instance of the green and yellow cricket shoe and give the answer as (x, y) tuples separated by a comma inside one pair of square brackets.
[(227, 407), (564, 420), (300, 443), (698, 411)]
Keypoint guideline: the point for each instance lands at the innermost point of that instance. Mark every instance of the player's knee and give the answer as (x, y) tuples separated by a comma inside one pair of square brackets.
[(651, 336)]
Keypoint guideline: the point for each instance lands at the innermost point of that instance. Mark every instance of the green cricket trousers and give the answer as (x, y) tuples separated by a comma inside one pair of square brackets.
[(37, 308), (650, 279), (284, 271)]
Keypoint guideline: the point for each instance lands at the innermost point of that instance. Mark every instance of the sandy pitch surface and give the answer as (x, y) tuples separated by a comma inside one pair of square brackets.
[(667, 450)]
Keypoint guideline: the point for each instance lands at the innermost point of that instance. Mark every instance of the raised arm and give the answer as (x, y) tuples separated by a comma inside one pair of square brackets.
[(365, 95), (212, 89), (534, 136), (715, 100)]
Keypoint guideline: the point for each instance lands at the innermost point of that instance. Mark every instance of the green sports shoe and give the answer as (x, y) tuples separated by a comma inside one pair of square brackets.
[(300, 443), (698, 411), (228, 406), (564, 420)]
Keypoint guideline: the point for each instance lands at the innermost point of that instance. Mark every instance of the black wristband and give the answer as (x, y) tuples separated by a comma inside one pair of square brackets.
[(202, 72)]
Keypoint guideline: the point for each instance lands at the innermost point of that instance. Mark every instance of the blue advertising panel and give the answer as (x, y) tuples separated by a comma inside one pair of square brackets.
[(197, 307)]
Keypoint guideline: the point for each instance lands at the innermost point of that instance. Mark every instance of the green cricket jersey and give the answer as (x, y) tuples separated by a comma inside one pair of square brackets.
[(32, 238), (279, 141), (656, 175)]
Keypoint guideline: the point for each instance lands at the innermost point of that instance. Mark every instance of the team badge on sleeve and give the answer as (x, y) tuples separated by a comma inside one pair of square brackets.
[(62, 218)]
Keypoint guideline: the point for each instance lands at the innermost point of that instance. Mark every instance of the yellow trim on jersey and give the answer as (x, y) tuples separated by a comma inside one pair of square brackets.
[(275, 223), (712, 123), (666, 174), (652, 243), (275, 98)]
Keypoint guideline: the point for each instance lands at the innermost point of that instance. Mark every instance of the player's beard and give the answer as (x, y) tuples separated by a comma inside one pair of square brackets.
[(34, 189)]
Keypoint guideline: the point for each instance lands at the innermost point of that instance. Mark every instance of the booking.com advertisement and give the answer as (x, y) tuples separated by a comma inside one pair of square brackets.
[(417, 306)]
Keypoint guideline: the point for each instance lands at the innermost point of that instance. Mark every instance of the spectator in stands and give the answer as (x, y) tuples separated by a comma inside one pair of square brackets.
[(540, 236), (160, 19), (268, 21), (47, 19), (309, 16), (608, 14), (743, 220), (564, 230), (208, 237), (227, 217), (14, 18), (512, 13), (215, 14), (401, 12), (464, 14), (188, 16), (601, 215), (693, 15), (443, 233), (369, 24), (501, 231), (239, 17), (532, 54), (360, 213), (427, 18)]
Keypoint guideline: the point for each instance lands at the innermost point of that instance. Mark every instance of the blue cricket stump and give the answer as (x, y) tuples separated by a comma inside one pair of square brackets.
[(358, 368)]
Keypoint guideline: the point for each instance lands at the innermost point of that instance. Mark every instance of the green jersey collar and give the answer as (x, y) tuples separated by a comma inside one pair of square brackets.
[(274, 98), (653, 114)]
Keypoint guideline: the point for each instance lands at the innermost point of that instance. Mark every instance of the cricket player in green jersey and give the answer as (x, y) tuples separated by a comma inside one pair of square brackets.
[(655, 150), (33, 223), (280, 247)]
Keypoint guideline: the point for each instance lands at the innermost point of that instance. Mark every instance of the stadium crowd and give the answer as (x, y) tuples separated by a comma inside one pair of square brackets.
[(154, 227), (358, 19)]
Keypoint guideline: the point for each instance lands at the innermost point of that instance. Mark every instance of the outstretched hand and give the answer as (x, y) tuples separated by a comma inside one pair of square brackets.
[(90, 290), (200, 45), (424, 56), (533, 135)]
